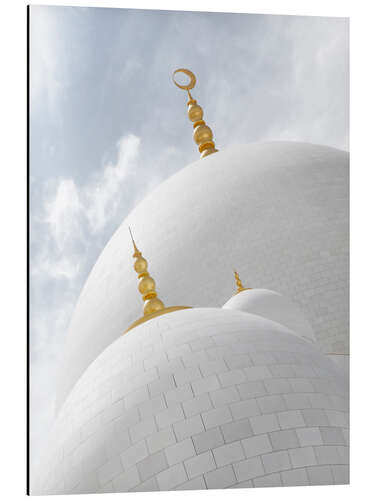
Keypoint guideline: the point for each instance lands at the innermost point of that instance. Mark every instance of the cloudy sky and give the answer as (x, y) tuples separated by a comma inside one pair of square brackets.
[(107, 125)]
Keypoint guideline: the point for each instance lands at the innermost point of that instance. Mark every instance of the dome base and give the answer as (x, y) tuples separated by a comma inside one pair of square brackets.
[(154, 315)]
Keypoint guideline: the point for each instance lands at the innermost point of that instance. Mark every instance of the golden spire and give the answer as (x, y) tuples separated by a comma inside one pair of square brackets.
[(202, 133), (240, 288), (153, 306), (146, 284)]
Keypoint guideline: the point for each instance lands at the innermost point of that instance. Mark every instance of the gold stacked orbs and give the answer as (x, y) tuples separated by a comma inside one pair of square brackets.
[(238, 282), (203, 135), (240, 287), (153, 306), (146, 285)]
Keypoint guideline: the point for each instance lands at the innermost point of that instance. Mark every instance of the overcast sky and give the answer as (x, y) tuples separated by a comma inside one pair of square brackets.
[(107, 125)]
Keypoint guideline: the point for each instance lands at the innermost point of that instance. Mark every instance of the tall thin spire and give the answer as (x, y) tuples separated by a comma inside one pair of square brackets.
[(153, 306), (146, 285), (136, 251), (203, 135), (240, 287)]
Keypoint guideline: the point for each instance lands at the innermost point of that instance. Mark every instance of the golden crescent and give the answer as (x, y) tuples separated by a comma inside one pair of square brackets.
[(190, 74)]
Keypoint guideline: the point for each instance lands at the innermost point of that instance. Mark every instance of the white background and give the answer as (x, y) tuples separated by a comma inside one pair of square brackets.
[(13, 240)]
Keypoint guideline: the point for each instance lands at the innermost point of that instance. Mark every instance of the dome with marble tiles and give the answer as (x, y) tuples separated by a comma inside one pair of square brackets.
[(278, 211), (201, 398)]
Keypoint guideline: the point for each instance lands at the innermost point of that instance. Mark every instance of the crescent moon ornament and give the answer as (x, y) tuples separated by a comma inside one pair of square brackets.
[(190, 74)]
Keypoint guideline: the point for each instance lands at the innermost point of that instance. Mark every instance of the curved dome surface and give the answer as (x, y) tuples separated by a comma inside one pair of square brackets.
[(201, 398), (274, 306), (276, 211)]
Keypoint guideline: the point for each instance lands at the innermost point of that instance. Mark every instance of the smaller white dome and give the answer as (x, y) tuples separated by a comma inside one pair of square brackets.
[(273, 306)]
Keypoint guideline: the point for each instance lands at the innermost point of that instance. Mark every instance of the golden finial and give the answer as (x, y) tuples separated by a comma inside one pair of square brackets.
[(240, 288), (202, 133), (153, 306), (146, 284)]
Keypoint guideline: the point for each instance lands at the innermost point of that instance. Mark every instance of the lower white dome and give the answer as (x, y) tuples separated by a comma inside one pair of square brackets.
[(201, 398)]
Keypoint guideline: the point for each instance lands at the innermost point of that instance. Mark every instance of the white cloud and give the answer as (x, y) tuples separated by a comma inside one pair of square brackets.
[(71, 212), (100, 195), (62, 213)]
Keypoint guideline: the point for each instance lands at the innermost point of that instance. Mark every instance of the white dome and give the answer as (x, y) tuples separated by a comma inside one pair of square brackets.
[(278, 212), (272, 305), (201, 398)]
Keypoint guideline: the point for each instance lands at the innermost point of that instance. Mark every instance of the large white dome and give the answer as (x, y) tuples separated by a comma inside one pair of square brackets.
[(201, 398), (278, 212)]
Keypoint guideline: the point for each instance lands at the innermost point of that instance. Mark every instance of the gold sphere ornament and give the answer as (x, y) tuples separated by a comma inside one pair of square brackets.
[(195, 112), (140, 265), (146, 285), (202, 134), (153, 305)]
